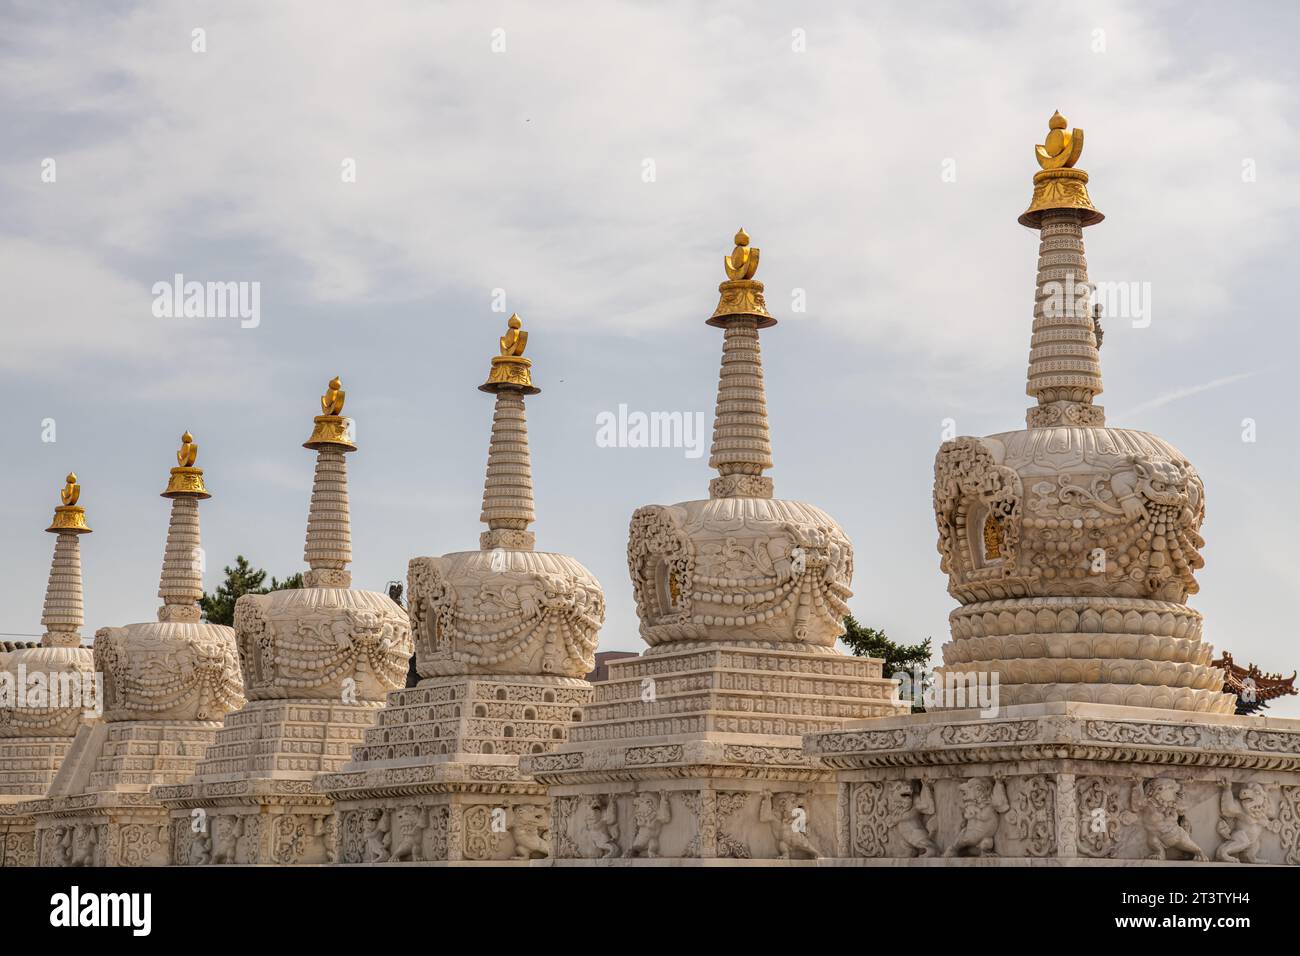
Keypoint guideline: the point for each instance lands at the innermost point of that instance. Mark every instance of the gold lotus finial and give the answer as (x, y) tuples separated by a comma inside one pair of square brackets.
[(743, 261), (71, 490), (69, 517), (186, 481), (330, 427), (515, 340), (510, 369), (331, 403), (188, 453), (1060, 150)]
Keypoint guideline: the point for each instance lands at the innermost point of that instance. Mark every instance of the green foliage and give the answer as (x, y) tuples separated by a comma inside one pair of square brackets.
[(219, 606), (866, 641)]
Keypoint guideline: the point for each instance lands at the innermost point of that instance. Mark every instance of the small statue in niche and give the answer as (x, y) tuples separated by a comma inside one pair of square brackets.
[(600, 819), (992, 539), (786, 814), (983, 801), (649, 812), (377, 835), (226, 833), (85, 836), (1243, 819), (60, 841), (409, 841), (200, 850), (911, 816), (1158, 806), (529, 827)]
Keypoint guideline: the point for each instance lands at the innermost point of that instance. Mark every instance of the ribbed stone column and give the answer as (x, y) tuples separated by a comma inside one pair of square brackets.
[(741, 441), (508, 487), (328, 551), (182, 571), (63, 614), (1063, 360)]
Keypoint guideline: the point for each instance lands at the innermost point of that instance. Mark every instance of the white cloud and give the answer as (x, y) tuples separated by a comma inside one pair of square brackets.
[(523, 169)]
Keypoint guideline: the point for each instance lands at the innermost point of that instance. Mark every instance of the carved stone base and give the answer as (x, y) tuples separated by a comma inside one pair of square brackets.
[(694, 751), (251, 799), (100, 829), (437, 778), (1067, 781), (256, 821), (99, 811), (459, 813), (720, 797), (17, 835)]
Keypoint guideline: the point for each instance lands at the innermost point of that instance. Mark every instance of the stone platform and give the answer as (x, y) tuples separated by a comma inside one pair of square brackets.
[(251, 799), (694, 751), (99, 811), (438, 779), (1067, 782)]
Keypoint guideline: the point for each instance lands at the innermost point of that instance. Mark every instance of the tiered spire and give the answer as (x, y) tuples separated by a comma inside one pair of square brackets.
[(742, 446), (63, 614), (328, 550), (1064, 366), (508, 487), (182, 571)]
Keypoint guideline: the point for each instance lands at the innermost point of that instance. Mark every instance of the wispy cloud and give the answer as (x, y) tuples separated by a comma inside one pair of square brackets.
[(1177, 394)]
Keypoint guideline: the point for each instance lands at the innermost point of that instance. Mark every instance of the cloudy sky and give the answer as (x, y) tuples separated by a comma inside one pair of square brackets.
[(389, 174)]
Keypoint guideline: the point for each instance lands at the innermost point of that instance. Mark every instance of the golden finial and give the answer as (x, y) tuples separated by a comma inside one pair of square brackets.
[(69, 517), (71, 490), (743, 261), (186, 481), (1061, 149), (188, 453), (742, 294), (331, 403), (331, 428), (510, 369), (1058, 186), (514, 341)]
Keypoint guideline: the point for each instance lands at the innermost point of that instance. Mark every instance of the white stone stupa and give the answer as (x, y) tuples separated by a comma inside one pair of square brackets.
[(503, 639), (167, 685), (318, 662), (693, 750), (55, 682), (1072, 548)]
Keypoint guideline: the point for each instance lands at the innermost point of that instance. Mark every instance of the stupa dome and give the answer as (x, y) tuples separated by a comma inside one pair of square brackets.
[(1073, 546), (506, 612), (169, 670), (51, 720), (306, 642), (748, 569), (740, 565), (1068, 511)]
